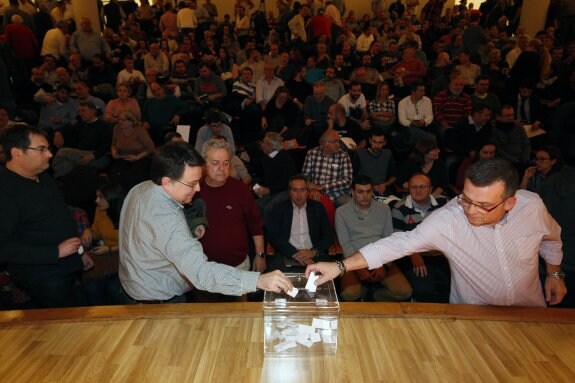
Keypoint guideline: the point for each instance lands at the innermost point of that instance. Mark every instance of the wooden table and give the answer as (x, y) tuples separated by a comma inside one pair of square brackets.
[(378, 342)]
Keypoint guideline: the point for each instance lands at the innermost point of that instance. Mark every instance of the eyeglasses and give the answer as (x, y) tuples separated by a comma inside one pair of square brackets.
[(465, 202), (41, 149), (192, 185), (418, 187)]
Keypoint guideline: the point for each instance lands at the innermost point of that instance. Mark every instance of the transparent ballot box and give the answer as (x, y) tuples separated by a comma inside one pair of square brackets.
[(304, 325)]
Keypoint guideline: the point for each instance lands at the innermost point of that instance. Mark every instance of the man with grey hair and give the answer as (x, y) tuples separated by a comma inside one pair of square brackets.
[(275, 169), (88, 42), (329, 170), (232, 214)]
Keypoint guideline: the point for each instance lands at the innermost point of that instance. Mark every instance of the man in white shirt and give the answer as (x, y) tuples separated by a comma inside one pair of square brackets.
[(415, 113), (186, 19), (354, 102), (267, 85), (55, 42), (297, 24), (492, 235)]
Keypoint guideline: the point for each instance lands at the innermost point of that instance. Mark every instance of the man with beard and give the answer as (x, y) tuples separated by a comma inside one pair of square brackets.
[(355, 103), (492, 235), (334, 87), (377, 163)]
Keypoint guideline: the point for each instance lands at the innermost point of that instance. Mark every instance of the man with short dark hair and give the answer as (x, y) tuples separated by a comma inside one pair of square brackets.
[(377, 163), (492, 235), (298, 228), (359, 222), (87, 143), (160, 260), (39, 242)]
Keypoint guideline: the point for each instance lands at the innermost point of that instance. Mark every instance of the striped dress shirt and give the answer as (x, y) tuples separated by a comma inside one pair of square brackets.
[(158, 252), (490, 265)]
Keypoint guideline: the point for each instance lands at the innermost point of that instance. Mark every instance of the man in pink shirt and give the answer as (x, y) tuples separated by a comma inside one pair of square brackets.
[(492, 234)]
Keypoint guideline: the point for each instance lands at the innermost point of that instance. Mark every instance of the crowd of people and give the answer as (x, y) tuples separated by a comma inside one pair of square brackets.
[(309, 133)]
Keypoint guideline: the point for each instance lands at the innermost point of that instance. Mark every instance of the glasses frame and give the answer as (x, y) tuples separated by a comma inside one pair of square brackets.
[(482, 209), (192, 185), (40, 149)]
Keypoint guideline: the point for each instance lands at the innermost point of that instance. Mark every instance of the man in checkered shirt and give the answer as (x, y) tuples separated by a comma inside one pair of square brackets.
[(329, 170)]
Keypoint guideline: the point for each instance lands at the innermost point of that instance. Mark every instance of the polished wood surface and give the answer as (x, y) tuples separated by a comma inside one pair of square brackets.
[(378, 342)]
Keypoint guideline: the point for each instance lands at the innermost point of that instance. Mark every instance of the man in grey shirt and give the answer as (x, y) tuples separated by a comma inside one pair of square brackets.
[(160, 258)]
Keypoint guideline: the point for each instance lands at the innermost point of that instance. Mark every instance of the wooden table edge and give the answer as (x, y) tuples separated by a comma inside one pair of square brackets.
[(255, 309)]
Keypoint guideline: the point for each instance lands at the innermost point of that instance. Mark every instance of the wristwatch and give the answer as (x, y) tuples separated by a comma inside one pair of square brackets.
[(261, 255), (556, 274)]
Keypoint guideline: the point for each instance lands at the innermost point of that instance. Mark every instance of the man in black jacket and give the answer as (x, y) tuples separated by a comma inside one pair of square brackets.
[(38, 238), (298, 229)]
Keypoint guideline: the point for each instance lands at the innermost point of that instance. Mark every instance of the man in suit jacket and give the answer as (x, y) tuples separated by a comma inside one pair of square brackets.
[(298, 229)]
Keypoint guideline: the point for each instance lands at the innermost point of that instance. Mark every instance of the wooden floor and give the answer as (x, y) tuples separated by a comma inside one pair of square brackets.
[(378, 342)]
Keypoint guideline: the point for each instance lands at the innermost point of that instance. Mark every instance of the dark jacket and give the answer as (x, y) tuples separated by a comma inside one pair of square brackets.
[(279, 227)]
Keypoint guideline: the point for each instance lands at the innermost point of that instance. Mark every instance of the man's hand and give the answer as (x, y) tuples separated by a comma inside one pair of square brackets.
[(305, 257), (259, 264), (380, 189), (315, 195), (68, 247), (418, 264), (87, 261), (371, 276), (309, 121), (326, 270), (555, 290), (87, 238), (275, 281), (175, 120), (199, 231)]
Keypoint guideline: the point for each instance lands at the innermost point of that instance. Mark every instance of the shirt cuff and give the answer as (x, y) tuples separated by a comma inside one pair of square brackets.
[(249, 282), (371, 254)]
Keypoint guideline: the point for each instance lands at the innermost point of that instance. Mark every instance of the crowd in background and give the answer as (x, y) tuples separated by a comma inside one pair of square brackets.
[(410, 89)]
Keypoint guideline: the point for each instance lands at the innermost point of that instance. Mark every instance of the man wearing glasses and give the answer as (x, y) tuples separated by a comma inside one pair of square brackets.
[(38, 237), (492, 235), (160, 260)]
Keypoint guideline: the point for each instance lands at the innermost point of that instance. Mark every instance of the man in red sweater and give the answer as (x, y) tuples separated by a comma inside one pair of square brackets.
[(232, 213)]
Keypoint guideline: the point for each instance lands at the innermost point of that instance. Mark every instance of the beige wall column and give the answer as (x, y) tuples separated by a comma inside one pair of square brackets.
[(89, 9), (533, 15)]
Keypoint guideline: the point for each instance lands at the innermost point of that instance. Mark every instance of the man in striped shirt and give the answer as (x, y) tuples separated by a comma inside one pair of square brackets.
[(492, 234), (451, 106)]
